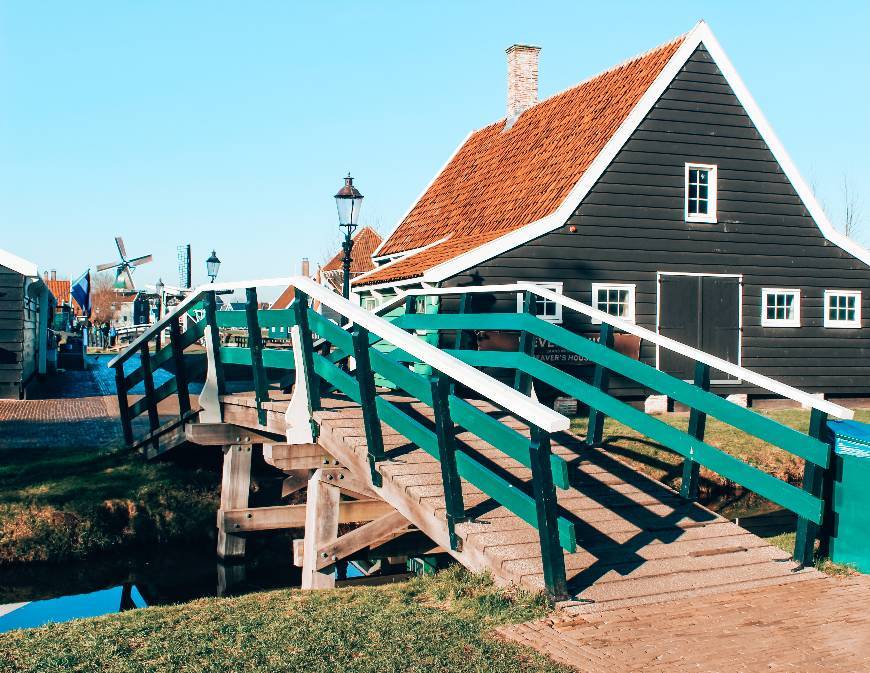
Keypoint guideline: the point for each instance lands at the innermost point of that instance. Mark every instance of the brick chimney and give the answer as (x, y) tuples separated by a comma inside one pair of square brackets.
[(522, 89), (306, 267), (54, 274)]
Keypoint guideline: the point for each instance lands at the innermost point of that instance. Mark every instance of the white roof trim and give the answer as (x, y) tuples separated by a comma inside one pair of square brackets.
[(16, 263), (377, 250), (700, 34)]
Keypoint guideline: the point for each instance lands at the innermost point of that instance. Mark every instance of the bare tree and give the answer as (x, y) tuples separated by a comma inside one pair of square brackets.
[(103, 296), (851, 209)]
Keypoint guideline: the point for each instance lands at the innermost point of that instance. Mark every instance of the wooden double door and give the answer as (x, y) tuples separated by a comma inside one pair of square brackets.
[(702, 312)]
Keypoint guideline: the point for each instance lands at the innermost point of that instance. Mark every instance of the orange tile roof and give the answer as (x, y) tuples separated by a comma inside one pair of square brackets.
[(59, 288), (365, 241), (285, 298), (501, 181)]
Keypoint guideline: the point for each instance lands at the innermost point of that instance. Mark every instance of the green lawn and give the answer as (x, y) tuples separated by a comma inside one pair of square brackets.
[(63, 503), (428, 624)]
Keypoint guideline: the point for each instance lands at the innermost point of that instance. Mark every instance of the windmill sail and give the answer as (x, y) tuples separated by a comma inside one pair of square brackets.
[(124, 268)]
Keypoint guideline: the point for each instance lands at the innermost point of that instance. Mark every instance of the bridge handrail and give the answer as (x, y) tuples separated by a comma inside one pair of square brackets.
[(510, 399), (756, 379)]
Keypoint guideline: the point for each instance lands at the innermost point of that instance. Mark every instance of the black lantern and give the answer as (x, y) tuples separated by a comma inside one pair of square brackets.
[(212, 264), (348, 201)]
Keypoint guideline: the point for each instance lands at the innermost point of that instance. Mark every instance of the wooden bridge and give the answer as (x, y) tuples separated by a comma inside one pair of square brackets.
[(393, 422)]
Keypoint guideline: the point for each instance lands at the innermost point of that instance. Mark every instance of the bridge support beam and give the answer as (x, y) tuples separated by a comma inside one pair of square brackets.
[(321, 529), (235, 487)]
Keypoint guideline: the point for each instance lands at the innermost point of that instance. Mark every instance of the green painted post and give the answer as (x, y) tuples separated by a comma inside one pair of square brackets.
[(446, 435), (368, 394), (522, 381), (813, 483), (697, 426), (300, 307), (123, 406), (827, 528), (545, 508), (601, 380), (180, 367), (459, 338), (209, 304), (148, 381), (255, 344)]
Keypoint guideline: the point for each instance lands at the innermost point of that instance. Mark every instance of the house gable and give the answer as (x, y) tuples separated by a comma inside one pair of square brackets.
[(457, 260), (631, 228)]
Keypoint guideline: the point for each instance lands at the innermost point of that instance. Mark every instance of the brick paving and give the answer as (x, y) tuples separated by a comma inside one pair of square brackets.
[(71, 409), (814, 626)]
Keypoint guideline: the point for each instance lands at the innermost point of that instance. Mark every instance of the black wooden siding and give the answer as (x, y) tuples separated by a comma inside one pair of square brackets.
[(17, 335), (632, 225)]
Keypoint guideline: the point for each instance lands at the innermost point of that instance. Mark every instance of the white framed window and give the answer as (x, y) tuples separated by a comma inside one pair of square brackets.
[(617, 299), (780, 307), (369, 303), (842, 308), (700, 193), (544, 308)]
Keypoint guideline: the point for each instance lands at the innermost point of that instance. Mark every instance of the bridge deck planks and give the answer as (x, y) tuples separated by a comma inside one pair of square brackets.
[(638, 541)]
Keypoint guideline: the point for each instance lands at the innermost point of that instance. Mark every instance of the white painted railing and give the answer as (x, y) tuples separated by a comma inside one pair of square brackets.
[(503, 395), (759, 380)]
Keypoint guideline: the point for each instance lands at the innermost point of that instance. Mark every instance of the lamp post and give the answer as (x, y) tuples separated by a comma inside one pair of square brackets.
[(348, 202), (160, 287), (212, 264)]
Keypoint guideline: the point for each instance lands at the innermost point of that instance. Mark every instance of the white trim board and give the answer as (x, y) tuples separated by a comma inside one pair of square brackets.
[(17, 264), (699, 35)]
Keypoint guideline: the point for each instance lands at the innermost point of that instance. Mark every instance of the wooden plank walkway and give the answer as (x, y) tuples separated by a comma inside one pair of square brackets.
[(638, 541)]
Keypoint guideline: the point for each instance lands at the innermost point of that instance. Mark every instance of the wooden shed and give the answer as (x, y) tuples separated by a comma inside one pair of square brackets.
[(26, 310)]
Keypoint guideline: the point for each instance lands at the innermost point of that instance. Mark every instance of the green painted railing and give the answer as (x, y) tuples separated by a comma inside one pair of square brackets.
[(170, 358), (807, 501)]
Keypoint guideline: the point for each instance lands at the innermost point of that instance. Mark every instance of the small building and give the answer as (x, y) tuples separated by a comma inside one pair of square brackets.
[(26, 312), (658, 192)]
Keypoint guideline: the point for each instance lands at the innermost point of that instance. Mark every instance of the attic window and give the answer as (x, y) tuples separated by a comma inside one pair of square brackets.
[(700, 193)]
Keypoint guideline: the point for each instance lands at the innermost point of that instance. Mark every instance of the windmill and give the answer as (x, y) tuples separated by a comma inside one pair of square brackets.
[(124, 268)]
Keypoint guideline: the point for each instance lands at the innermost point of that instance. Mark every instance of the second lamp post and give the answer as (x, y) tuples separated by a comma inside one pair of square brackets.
[(348, 201)]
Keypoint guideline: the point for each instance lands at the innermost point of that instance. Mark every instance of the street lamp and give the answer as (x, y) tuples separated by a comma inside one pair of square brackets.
[(348, 202), (212, 264)]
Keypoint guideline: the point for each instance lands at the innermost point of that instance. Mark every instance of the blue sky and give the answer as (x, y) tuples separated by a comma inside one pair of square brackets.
[(230, 125)]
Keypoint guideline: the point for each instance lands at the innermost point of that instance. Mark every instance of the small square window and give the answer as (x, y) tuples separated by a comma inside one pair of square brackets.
[(700, 193), (780, 308), (842, 308), (614, 299), (544, 308)]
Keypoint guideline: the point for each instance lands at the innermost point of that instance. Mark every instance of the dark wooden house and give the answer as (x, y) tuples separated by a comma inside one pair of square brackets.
[(656, 191), (26, 312)]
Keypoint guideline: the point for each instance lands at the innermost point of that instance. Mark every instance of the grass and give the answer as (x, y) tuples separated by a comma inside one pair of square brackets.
[(68, 503), (432, 624)]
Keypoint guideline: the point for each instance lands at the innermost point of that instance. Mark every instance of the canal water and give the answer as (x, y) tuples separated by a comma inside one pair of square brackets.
[(37, 594)]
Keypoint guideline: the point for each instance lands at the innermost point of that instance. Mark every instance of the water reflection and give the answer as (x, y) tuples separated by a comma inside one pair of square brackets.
[(65, 608)]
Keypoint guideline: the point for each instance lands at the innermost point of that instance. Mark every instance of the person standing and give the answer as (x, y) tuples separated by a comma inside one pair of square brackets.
[(104, 330), (113, 333)]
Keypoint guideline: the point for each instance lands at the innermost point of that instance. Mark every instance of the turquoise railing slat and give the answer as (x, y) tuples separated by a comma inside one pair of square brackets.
[(743, 419), (752, 478), (505, 439), (499, 489)]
